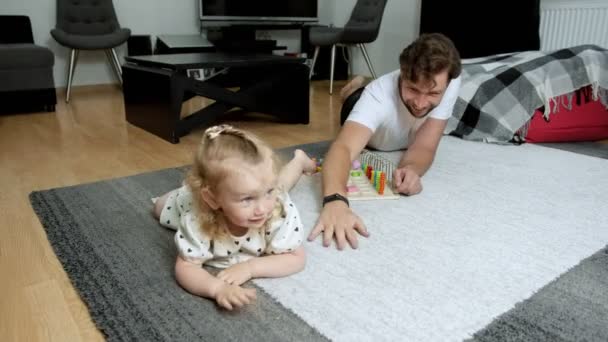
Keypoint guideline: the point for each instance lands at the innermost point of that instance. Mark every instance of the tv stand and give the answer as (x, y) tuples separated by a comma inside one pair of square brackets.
[(249, 46), (242, 38)]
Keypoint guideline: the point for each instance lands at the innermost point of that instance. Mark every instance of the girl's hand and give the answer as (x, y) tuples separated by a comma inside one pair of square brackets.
[(236, 274), (234, 296)]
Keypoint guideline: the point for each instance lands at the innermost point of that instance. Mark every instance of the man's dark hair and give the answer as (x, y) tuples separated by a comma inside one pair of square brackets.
[(429, 55)]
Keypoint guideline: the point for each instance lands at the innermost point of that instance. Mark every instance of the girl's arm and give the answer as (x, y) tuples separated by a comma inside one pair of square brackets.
[(269, 266), (279, 265), (291, 172), (196, 280)]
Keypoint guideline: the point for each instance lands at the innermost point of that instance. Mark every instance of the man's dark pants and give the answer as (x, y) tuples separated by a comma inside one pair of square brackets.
[(349, 103)]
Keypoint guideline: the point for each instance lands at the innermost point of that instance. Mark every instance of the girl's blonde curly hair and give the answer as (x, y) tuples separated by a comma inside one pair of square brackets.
[(218, 144)]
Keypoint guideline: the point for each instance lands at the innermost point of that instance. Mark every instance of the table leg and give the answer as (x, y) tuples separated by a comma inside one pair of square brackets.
[(152, 100)]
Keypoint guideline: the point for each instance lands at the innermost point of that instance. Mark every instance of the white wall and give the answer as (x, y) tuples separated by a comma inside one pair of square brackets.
[(399, 28), (151, 17), (143, 17)]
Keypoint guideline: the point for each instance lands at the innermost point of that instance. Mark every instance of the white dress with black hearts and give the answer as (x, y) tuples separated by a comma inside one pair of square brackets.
[(284, 235)]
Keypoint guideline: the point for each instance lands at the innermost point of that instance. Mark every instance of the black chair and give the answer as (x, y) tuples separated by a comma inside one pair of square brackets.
[(89, 25), (362, 28)]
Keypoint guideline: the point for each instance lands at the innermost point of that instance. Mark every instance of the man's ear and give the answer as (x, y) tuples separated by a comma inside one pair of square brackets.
[(209, 198)]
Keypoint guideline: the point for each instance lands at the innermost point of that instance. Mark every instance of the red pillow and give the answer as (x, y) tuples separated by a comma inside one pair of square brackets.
[(587, 121)]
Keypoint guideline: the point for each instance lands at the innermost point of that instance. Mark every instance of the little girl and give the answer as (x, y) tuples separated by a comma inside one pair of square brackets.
[(234, 213)]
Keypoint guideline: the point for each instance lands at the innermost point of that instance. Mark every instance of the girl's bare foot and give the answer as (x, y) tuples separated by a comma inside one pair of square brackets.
[(309, 166), (354, 84), (159, 204)]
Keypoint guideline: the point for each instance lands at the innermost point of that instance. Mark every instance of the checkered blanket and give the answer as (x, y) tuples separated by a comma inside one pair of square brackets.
[(500, 93)]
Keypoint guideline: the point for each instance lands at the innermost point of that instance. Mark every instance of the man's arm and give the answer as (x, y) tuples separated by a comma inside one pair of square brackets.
[(418, 158), (350, 142), (336, 219), (421, 154)]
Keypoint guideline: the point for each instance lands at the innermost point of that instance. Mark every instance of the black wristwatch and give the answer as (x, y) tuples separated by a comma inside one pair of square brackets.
[(335, 197)]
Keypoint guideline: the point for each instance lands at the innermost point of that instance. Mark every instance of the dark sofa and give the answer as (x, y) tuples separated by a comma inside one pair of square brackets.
[(26, 69)]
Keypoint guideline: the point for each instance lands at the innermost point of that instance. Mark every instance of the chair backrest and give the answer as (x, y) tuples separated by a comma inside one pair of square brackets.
[(15, 29), (364, 23), (86, 17)]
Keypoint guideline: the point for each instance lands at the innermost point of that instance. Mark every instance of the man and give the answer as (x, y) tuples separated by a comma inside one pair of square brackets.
[(405, 109)]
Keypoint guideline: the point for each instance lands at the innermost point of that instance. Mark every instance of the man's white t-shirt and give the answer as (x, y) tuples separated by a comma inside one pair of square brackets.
[(381, 109)]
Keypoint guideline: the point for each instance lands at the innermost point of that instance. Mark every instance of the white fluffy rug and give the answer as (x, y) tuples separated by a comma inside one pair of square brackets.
[(493, 225)]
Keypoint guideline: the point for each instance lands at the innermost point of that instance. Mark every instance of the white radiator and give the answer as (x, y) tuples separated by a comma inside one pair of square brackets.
[(573, 22)]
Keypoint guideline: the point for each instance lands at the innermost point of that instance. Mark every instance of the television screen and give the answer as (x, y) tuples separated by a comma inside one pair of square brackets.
[(250, 11)]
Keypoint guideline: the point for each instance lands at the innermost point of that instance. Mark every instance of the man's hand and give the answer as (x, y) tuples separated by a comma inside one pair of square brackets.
[(236, 274), (338, 221), (233, 296), (407, 181)]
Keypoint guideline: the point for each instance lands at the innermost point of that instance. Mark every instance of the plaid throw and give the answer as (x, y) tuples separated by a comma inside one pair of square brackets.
[(500, 93)]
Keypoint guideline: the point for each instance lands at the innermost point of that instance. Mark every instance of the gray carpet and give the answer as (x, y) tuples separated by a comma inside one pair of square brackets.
[(121, 262), (574, 307)]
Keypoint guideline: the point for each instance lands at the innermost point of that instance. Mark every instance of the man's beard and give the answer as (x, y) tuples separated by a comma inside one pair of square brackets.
[(412, 111), (409, 107)]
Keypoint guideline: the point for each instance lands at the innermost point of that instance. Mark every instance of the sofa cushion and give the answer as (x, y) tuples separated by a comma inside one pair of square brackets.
[(587, 120), (22, 56)]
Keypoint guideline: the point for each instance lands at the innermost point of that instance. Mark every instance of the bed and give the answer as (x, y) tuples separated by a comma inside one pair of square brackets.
[(512, 92)]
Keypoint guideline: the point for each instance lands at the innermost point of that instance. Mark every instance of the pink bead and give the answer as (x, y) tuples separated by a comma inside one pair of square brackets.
[(352, 188)]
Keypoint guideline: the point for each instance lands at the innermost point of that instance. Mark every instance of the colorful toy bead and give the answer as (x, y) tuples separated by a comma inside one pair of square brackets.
[(319, 163), (376, 177), (352, 188), (382, 183)]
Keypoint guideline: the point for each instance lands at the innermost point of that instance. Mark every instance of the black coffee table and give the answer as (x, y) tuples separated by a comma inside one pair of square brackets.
[(156, 86)]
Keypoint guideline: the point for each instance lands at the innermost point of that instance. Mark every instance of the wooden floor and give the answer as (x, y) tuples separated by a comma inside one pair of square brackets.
[(89, 140)]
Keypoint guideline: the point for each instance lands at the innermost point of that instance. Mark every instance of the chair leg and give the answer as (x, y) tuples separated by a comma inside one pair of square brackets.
[(71, 70), (314, 61), (331, 69), (115, 62), (118, 67), (112, 62), (367, 60)]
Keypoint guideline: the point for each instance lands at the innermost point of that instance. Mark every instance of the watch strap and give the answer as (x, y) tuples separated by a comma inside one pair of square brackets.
[(335, 197)]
